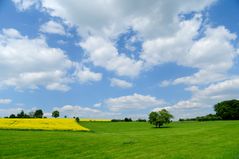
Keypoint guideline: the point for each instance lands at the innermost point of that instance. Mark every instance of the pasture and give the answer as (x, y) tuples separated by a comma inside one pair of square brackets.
[(126, 140)]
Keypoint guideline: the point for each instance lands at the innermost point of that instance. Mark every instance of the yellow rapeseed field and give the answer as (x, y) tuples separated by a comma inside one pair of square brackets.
[(41, 124)]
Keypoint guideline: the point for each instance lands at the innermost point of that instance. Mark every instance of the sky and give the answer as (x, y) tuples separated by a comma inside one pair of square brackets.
[(118, 58)]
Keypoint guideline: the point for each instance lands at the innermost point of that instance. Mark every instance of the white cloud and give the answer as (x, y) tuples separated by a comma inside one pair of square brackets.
[(5, 101), (133, 102), (97, 105), (58, 87), (114, 82), (52, 27), (25, 4), (83, 112), (103, 53), (9, 111), (166, 33), (213, 54), (85, 75), (30, 63), (150, 18), (203, 100)]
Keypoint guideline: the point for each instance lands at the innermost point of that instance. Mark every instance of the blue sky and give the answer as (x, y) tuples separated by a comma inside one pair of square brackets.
[(116, 59)]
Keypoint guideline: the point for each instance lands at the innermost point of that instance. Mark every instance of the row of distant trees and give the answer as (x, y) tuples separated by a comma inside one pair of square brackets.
[(34, 114), (225, 110), (128, 120)]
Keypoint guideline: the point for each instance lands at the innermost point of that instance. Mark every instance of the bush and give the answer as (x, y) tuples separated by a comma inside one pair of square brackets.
[(116, 120), (12, 116), (209, 117), (141, 120), (77, 119), (127, 119)]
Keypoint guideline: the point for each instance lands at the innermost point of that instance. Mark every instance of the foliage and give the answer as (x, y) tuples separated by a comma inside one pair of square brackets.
[(77, 119), (55, 114), (228, 110), (38, 113), (12, 116), (141, 120), (122, 120), (22, 114), (209, 117), (159, 118), (127, 119)]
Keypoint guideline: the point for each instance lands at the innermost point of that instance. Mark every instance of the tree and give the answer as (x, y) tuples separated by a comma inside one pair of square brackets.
[(12, 116), (127, 119), (77, 119), (21, 114), (159, 118), (228, 110), (55, 114), (38, 113)]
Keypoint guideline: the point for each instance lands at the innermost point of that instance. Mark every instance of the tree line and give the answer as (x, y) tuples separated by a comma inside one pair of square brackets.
[(34, 114), (225, 110)]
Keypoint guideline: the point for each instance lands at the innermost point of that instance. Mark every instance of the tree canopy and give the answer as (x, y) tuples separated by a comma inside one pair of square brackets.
[(159, 118), (55, 114), (228, 110), (38, 113)]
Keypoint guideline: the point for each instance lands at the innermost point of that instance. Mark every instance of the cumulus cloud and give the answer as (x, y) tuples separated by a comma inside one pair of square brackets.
[(7, 112), (25, 4), (204, 99), (31, 63), (103, 53), (133, 102), (213, 54), (5, 101), (114, 82), (52, 27), (83, 112), (84, 75), (150, 18), (164, 30)]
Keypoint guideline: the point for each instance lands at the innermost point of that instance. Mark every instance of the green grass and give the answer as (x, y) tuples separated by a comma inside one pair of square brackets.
[(180, 140)]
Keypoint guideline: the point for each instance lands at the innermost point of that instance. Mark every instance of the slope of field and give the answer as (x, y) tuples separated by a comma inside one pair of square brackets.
[(41, 124), (109, 140)]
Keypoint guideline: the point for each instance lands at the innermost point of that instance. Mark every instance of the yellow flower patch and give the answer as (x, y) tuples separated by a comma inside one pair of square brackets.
[(41, 124)]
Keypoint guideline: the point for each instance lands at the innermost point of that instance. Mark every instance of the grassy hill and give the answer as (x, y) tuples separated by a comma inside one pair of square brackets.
[(180, 140)]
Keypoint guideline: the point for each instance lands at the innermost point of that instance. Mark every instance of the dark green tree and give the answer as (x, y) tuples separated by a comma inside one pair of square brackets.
[(21, 114), (12, 116), (77, 119), (55, 114), (228, 110), (159, 118), (38, 113)]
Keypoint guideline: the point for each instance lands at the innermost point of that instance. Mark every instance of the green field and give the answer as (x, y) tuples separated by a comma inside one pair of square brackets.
[(180, 140)]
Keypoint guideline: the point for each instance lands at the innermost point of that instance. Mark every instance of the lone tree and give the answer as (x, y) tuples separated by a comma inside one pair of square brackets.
[(38, 113), (228, 110), (159, 118), (55, 114)]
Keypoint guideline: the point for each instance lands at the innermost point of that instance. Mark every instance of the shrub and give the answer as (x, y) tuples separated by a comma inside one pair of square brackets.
[(77, 119)]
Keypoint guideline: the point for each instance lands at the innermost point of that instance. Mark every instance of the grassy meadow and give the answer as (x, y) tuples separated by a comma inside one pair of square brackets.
[(122, 140)]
